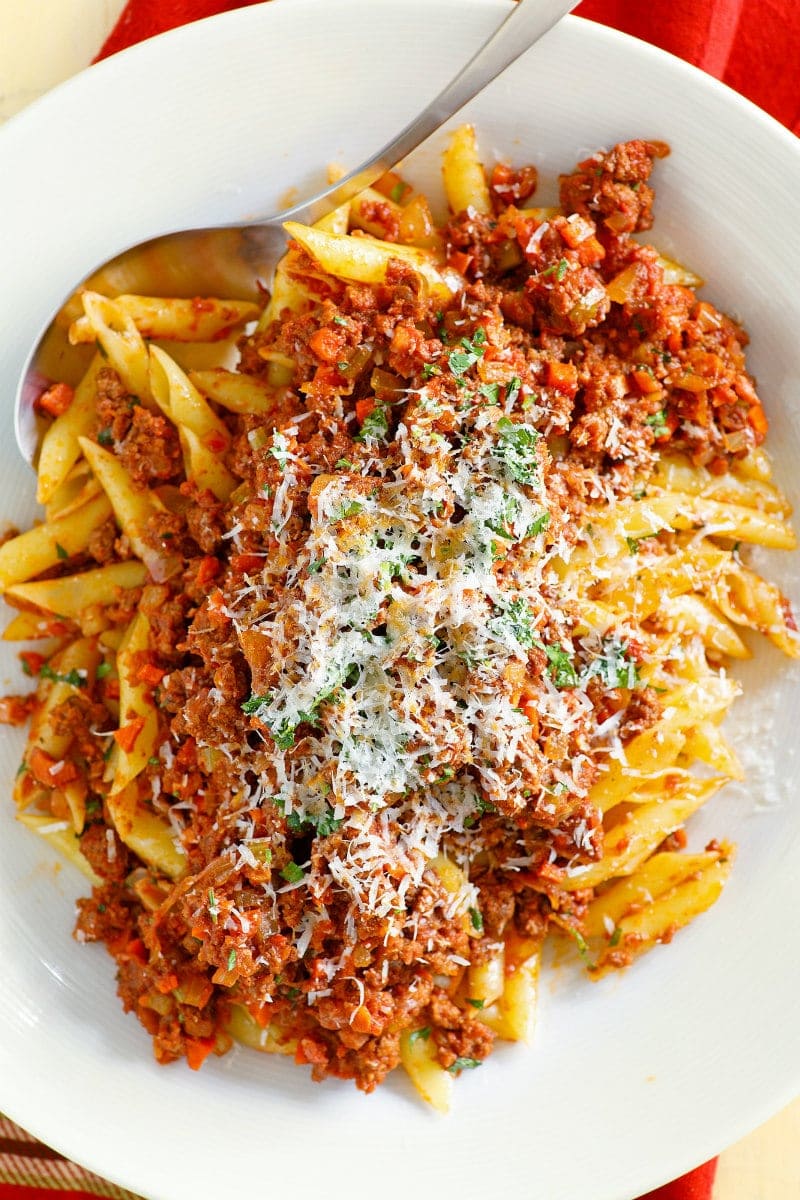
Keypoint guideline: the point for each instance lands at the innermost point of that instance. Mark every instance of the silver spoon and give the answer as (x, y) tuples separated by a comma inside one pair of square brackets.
[(257, 247)]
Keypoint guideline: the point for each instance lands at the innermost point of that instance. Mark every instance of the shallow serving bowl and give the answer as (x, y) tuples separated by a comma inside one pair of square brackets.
[(632, 1080)]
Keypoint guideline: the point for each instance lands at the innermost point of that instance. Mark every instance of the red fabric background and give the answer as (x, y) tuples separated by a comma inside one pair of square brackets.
[(752, 45)]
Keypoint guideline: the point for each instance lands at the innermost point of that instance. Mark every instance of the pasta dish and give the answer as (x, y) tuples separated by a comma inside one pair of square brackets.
[(367, 664)]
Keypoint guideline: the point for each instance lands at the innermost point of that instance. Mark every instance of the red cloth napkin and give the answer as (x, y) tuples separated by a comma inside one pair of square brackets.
[(752, 45)]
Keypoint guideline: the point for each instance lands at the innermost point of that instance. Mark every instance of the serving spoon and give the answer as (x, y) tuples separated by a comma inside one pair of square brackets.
[(255, 247)]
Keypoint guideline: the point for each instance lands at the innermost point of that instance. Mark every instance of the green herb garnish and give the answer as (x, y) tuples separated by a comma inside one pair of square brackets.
[(464, 1064), (374, 427), (292, 873), (516, 449)]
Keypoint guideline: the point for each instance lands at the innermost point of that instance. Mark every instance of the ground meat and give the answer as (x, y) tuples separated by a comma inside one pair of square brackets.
[(205, 518), (612, 186), (104, 851), (102, 545), (113, 405), (150, 449), (457, 1035)]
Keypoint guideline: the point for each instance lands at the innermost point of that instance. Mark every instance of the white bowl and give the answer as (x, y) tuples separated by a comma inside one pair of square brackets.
[(633, 1080)]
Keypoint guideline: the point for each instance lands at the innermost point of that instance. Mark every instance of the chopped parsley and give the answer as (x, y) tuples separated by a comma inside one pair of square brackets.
[(580, 942), (419, 1035), (323, 823), (213, 907), (476, 919), (103, 669), (105, 437), (613, 666), (315, 566), (615, 936), (430, 369), (491, 391), (513, 389), (60, 551), (558, 269), (476, 1003), (280, 450), (292, 873), (516, 449), (343, 464), (73, 677), (461, 360), (350, 509), (255, 702), (538, 524), (515, 619), (374, 427), (231, 959), (657, 420), (464, 1064), (561, 667)]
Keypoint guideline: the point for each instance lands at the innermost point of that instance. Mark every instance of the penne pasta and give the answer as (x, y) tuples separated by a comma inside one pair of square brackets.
[(197, 320), (464, 179), (70, 595), (366, 260), (138, 730), (46, 545)]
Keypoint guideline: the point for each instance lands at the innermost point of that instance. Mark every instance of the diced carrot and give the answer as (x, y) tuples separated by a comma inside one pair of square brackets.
[(562, 377), (32, 661), (111, 689), (15, 710), (576, 231), (327, 345), (167, 984), (134, 948), (64, 772), (216, 601), (209, 569), (56, 399), (40, 763), (126, 735), (531, 711), (364, 408), (645, 382), (198, 1050), (459, 260), (361, 1020), (150, 674), (758, 419), (590, 251), (247, 563)]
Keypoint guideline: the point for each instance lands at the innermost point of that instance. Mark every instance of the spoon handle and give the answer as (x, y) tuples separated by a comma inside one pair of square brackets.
[(528, 21)]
